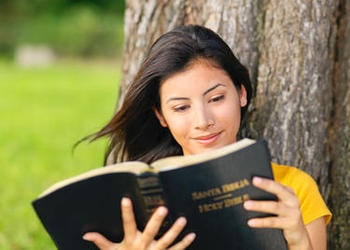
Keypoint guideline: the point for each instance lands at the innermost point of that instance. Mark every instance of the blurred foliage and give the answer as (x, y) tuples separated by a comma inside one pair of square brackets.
[(70, 27)]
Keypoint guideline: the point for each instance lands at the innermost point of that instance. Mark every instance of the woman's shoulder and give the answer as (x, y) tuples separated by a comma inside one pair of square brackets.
[(305, 187), (288, 175)]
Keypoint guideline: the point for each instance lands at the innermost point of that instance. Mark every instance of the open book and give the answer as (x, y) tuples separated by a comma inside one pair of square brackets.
[(208, 189)]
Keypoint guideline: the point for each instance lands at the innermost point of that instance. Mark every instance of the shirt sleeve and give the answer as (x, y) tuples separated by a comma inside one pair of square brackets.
[(312, 205)]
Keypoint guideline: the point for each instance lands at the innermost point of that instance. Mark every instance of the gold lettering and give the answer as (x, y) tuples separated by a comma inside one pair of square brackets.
[(153, 200), (230, 187), (150, 181), (233, 201), (205, 194), (204, 208), (246, 197)]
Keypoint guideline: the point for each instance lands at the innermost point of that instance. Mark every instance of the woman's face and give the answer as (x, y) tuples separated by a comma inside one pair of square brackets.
[(201, 107)]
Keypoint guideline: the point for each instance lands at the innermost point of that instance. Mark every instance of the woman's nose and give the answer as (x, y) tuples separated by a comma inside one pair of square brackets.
[(203, 119)]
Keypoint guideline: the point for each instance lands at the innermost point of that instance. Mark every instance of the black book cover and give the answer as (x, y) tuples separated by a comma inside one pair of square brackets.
[(210, 195), (92, 206), (208, 189)]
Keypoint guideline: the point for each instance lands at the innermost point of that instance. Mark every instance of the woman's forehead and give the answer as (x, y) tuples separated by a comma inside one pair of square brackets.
[(197, 79)]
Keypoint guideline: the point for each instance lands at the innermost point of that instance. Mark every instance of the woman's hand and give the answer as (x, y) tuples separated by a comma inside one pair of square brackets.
[(136, 240), (287, 210)]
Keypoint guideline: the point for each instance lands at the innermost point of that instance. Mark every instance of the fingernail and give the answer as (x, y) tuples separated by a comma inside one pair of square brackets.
[(162, 211), (125, 201), (251, 223), (181, 221), (247, 204), (257, 179), (190, 237), (86, 237)]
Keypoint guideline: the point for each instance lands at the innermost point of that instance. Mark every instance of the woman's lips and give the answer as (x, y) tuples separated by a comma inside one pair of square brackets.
[(208, 139)]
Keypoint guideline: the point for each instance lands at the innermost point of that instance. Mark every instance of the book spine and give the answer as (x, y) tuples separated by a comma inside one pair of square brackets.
[(152, 192)]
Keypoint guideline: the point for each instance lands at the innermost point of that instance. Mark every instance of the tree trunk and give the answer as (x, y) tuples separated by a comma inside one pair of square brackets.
[(298, 55), (340, 135), (294, 92)]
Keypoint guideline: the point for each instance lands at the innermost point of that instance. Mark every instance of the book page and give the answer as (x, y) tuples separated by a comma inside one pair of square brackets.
[(135, 167), (173, 162)]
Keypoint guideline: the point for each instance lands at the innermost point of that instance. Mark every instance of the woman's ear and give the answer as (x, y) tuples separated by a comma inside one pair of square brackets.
[(160, 117), (243, 96)]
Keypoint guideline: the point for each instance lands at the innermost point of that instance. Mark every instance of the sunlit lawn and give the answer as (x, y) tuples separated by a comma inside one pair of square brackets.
[(43, 112)]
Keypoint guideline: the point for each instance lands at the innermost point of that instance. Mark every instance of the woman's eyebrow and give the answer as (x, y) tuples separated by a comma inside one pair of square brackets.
[(205, 93), (177, 99), (212, 88)]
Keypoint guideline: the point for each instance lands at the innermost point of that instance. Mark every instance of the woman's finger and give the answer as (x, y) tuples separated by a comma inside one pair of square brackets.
[(270, 207), (128, 217), (267, 222), (282, 192), (100, 241), (184, 243), (168, 238), (153, 226)]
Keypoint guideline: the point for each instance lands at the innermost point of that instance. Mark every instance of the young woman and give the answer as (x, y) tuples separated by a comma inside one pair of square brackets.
[(189, 97)]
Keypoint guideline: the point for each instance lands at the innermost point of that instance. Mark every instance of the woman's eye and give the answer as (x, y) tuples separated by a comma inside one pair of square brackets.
[(180, 108), (217, 98)]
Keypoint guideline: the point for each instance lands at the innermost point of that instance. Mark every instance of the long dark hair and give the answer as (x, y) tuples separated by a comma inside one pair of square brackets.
[(134, 131)]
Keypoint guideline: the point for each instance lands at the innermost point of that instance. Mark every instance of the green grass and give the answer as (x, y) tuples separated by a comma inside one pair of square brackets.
[(43, 112)]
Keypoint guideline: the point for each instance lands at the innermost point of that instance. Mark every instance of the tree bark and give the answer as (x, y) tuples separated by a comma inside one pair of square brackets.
[(340, 135), (298, 55), (294, 91), (145, 21)]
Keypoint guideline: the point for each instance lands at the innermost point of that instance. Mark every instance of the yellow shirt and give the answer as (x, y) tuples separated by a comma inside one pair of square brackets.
[(312, 205)]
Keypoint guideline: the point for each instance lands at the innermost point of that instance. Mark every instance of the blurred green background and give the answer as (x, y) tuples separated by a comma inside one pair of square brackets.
[(46, 105), (86, 28)]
